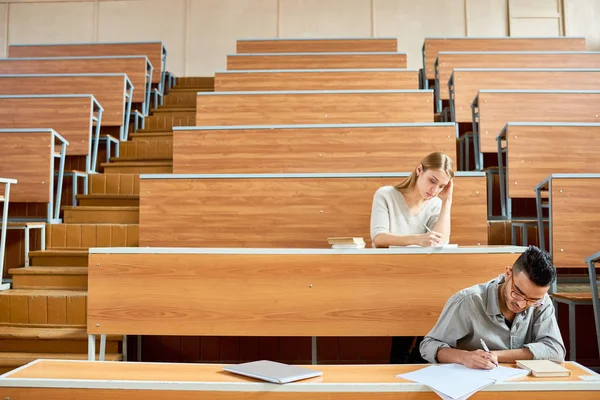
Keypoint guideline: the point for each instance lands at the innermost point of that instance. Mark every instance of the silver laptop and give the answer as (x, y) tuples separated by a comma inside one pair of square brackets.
[(271, 371)]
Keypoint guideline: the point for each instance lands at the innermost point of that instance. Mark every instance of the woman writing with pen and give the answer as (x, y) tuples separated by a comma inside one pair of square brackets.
[(414, 212)]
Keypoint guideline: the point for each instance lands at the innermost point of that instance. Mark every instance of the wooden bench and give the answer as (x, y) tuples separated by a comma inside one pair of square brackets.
[(155, 51), (591, 262), (316, 45), (315, 61), (465, 83), (314, 107), (112, 91), (534, 150), (284, 210), (4, 199), (29, 156), (308, 148), (493, 109), (327, 79), (137, 68), (447, 61), (290, 292), (574, 212), (432, 46), (76, 117)]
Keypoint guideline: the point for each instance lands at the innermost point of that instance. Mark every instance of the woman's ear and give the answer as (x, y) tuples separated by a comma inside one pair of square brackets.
[(419, 169)]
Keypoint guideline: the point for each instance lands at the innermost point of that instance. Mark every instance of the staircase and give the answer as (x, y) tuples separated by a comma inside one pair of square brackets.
[(44, 314)]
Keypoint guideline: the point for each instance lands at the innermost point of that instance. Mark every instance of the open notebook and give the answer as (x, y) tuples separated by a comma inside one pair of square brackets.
[(271, 371)]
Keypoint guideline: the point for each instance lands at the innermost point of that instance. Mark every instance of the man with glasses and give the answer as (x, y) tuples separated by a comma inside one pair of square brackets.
[(513, 314)]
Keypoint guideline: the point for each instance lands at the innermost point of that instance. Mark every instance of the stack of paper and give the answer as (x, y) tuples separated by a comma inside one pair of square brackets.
[(457, 382)]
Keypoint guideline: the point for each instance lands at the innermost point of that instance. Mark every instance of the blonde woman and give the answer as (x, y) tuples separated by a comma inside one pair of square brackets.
[(417, 210), (414, 212)]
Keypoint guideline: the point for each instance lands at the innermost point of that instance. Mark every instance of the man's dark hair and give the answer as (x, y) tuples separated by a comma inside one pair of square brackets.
[(538, 266)]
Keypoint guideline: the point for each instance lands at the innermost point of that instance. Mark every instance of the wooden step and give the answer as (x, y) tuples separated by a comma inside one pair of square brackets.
[(84, 236), (59, 258), (51, 340), (174, 110), (16, 360), (114, 184), (74, 278), (30, 307), (140, 150), (158, 135), (139, 167), (101, 215), (108, 200), (128, 160)]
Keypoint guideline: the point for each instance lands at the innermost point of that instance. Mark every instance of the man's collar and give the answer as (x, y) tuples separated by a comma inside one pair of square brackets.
[(492, 306)]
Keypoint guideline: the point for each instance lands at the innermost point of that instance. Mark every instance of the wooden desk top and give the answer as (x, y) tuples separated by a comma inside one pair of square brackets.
[(210, 377)]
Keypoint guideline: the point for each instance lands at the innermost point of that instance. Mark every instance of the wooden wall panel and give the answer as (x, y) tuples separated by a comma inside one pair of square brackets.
[(133, 67), (434, 45), (109, 90), (91, 235), (537, 151), (152, 50), (283, 212), (497, 109), (27, 157), (317, 45), (315, 61), (165, 123), (316, 80), (70, 117), (313, 108), (469, 82), (575, 221), (292, 294), (291, 149)]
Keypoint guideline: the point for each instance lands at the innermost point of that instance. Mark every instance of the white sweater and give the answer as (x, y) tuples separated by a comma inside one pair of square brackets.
[(390, 214)]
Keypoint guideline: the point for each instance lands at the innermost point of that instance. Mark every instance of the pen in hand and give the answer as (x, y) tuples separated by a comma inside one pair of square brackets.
[(426, 227), (487, 350)]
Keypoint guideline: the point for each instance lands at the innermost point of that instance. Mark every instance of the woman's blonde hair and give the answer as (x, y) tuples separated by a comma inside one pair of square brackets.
[(435, 160)]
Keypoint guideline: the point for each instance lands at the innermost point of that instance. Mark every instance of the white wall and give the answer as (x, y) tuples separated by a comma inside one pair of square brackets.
[(199, 33)]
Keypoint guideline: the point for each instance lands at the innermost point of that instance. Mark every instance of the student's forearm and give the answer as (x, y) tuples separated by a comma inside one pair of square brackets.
[(389, 239), (447, 355), (510, 356), (443, 223)]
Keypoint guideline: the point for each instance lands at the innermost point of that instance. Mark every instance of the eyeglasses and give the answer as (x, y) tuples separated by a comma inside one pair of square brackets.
[(519, 297)]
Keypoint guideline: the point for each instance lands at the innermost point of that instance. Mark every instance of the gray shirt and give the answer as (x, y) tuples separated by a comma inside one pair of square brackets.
[(474, 313), (390, 214)]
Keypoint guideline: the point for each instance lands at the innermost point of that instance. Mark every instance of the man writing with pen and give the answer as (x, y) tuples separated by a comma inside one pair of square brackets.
[(506, 319)]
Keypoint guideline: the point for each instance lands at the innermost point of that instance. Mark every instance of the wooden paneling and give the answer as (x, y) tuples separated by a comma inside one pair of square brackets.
[(448, 61), (194, 82), (109, 90), (283, 212), (575, 220), (316, 61), (70, 117), (317, 45), (27, 157), (150, 149), (496, 109), (537, 151), (292, 294), (30, 306), (114, 184), (166, 122), (468, 82), (91, 235), (152, 50), (432, 46), (133, 67), (316, 80), (313, 107), (293, 149)]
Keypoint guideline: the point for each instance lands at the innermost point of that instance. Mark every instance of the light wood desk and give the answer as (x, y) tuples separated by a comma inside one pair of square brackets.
[(65, 380)]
